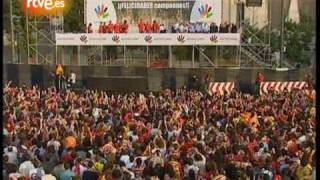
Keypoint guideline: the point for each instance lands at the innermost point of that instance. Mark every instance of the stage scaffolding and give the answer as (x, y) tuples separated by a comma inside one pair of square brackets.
[(42, 49)]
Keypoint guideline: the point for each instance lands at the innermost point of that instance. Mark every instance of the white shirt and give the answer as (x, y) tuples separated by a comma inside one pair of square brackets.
[(25, 168), (198, 28), (38, 171), (73, 78), (188, 168), (12, 156), (15, 175), (56, 144), (161, 27), (126, 160), (176, 26)]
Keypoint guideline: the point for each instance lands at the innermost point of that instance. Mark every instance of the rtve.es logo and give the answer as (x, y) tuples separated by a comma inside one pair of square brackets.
[(43, 7)]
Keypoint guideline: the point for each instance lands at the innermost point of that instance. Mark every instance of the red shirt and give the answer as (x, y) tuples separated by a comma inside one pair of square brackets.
[(277, 177), (100, 29), (155, 28), (116, 28), (110, 28), (105, 29), (125, 28), (260, 78), (67, 158), (142, 27), (148, 28), (10, 127)]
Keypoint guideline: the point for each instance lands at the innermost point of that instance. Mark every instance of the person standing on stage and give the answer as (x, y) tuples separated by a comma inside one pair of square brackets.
[(104, 28), (59, 76), (142, 26), (84, 28), (72, 79), (124, 27), (155, 27), (110, 27), (148, 27), (100, 28), (89, 29), (117, 27), (162, 28)]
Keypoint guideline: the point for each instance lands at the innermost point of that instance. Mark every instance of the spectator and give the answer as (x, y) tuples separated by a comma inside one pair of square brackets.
[(183, 134), (67, 174)]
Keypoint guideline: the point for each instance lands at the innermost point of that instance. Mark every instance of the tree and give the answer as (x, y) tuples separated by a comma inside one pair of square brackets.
[(74, 17), (297, 39)]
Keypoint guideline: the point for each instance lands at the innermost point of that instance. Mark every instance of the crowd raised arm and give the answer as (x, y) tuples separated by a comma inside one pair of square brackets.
[(173, 135)]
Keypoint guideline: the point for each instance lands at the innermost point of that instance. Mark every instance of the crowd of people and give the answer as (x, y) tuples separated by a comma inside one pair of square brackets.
[(156, 27), (185, 134)]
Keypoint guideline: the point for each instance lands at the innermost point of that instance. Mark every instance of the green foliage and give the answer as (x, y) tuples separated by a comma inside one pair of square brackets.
[(74, 17), (297, 39)]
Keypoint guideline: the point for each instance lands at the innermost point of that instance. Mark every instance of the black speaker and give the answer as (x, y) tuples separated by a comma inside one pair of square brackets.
[(254, 3)]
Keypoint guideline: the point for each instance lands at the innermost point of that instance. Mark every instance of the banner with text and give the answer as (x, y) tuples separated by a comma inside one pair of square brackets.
[(164, 11), (134, 39)]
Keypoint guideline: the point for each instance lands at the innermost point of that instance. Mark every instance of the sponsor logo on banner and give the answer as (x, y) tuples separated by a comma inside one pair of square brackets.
[(148, 39), (181, 39), (214, 39), (84, 38), (205, 11), (42, 7), (102, 11), (116, 39), (232, 39)]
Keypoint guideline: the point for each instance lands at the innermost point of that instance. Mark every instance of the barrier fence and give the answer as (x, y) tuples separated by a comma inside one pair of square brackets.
[(220, 87), (265, 87)]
